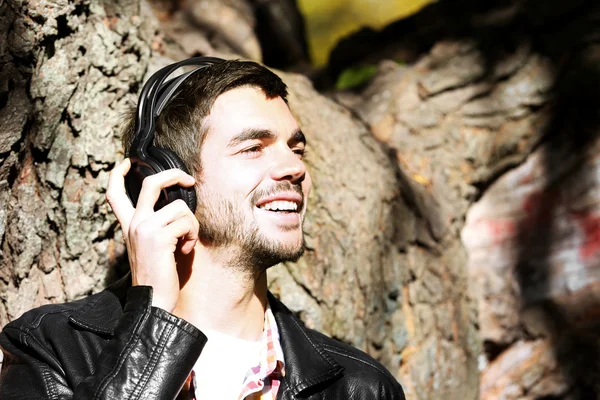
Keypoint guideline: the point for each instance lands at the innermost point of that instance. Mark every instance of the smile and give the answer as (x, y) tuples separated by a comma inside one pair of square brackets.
[(280, 205), (283, 202)]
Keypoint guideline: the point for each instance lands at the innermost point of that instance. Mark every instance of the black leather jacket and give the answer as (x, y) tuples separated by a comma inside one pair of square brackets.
[(115, 345)]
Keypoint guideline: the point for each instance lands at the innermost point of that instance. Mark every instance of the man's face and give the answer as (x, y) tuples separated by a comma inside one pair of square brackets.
[(254, 184)]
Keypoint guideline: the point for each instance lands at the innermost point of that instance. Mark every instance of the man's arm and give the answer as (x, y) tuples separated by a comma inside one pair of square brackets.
[(149, 357)]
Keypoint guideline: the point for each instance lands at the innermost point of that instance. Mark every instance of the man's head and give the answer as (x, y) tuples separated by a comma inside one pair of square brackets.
[(181, 126), (231, 126)]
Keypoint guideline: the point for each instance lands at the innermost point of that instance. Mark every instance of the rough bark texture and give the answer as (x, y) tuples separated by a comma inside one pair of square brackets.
[(67, 70), (384, 279)]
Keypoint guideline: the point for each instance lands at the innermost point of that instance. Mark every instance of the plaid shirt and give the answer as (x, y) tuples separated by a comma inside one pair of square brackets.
[(262, 381)]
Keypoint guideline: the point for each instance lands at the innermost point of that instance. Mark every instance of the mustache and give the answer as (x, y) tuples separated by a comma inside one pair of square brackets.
[(279, 187)]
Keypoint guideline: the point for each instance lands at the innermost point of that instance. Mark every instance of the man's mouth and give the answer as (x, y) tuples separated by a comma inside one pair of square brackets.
[(282, 209), (282, 203), (283, 206)]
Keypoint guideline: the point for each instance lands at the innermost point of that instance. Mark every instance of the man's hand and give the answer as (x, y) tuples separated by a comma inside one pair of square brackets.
[(152, 238)]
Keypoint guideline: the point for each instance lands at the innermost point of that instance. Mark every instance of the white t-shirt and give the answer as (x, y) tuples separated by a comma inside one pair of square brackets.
[(223, 364)]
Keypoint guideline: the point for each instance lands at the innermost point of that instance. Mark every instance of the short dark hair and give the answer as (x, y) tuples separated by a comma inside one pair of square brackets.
[(181, 128)]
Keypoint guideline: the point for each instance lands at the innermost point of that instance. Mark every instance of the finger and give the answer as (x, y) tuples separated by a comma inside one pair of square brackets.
[(117, 197), (171, 212), (184, 229), (154, 184), (188, 245)]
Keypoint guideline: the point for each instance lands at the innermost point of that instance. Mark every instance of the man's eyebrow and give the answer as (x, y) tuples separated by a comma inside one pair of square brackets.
[(251, 134), (297, 137)]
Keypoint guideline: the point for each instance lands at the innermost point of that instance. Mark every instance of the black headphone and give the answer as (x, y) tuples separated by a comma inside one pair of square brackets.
[(146, 159)]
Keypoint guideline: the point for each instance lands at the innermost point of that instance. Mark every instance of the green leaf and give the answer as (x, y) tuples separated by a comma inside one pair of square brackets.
[(354, 76)]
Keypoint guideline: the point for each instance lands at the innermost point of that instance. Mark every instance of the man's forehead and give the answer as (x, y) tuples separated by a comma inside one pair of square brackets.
[(247, 109), (239, 94)]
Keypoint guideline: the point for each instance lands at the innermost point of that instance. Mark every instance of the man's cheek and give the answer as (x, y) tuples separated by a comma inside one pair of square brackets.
[(245, 181)]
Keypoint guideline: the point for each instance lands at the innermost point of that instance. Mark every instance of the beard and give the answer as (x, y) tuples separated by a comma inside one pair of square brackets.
[(223, 224)]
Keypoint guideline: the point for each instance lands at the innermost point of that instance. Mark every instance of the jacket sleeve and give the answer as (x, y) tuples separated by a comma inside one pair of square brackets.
[(392, 391), (150, 356)]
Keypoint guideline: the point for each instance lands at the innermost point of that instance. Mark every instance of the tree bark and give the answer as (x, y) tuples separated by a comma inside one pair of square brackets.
[(68, 70)]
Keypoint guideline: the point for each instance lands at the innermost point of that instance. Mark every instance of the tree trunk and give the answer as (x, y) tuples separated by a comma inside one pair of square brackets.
[(384, 269), (68, 70)]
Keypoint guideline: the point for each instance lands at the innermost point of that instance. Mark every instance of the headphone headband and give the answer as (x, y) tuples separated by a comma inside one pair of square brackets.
[(147, 159), (155, 95)]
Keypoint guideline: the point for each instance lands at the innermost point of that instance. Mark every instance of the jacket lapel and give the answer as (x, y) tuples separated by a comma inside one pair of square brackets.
[(307, 364)]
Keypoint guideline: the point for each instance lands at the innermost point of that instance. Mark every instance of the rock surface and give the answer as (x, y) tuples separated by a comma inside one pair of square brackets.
[(505, 148)]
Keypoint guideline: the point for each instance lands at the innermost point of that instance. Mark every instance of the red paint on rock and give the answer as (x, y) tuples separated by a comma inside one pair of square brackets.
[(590, 225), (500, 229)]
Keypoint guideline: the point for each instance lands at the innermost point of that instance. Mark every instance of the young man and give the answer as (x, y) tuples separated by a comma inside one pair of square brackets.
[(195, 319)]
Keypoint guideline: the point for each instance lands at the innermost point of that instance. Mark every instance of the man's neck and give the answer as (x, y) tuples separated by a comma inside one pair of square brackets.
[(221, 297)]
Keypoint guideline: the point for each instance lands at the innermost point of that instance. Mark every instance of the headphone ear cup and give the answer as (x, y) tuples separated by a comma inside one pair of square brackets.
[(140, 170), (168, 160)]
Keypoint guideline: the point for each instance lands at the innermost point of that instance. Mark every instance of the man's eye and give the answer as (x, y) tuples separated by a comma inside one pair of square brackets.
[(252, 150), (300, 152)]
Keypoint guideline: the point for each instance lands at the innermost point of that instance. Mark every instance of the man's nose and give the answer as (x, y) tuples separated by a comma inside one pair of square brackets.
[(288, 166)]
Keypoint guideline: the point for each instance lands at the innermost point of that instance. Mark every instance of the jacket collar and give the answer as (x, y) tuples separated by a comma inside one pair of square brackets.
[(307, 364)]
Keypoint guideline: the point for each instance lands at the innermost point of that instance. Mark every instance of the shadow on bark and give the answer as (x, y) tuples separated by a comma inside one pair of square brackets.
[(573, 130), (556, 30)]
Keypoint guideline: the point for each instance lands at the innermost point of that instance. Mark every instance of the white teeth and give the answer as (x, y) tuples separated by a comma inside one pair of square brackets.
[(280, 206)]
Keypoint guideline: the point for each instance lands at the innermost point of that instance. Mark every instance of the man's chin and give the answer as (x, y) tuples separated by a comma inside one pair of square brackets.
[(272, 251), (289, 256), (290, 241)]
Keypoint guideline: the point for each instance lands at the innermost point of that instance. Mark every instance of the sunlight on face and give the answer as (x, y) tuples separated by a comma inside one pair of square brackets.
[(254, 184)]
